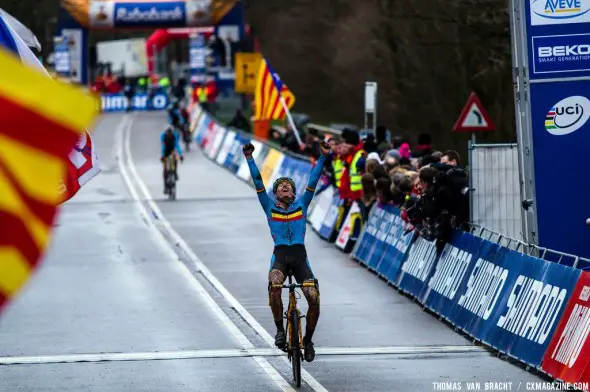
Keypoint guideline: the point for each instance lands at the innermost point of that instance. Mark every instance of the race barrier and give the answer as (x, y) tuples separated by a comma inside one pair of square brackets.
[(531, 309)]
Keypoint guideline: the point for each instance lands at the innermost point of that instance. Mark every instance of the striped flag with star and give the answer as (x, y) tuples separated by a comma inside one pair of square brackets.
[(83, 163), (267, 96), (36, 137)]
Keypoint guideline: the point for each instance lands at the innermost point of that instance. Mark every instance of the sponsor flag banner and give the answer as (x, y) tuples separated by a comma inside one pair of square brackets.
[(568, 354), (35, 139)]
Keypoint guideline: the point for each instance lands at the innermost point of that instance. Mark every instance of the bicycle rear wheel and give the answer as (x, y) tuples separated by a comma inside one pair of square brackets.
[(171, 186), (295, 349)]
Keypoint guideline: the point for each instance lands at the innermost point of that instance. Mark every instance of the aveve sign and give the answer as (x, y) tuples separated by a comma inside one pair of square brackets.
[(549, 12)]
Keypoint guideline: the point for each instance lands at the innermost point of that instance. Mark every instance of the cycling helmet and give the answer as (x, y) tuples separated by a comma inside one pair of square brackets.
[(278, 182)]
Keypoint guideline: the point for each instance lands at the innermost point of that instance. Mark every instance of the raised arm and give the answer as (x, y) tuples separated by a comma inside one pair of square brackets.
[(314, 177), (257, 178)]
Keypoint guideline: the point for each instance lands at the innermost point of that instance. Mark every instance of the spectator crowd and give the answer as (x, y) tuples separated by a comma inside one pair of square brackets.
[(430, 187)]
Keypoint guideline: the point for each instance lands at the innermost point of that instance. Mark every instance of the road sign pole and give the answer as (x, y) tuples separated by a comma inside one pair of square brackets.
[(371, 105)]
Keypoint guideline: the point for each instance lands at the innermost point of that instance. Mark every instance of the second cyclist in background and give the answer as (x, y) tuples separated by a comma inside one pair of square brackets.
[(170, 144)]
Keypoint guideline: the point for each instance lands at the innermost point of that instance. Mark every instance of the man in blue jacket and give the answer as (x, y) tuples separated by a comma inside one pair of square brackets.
[(287, 222)]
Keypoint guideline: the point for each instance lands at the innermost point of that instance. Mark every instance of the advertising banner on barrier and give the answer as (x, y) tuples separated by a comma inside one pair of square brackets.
[(568, 354), (322, 202), (235, 148), (301, 175), (228, 142), (397, 243), (453, 272), (418, 268), (238, 159), (330, 220), (533, 299), (210, 137), (208, 134), (366, 246), (195, 118), (259, 154), (348, 234), (140, 102), (216, 145), (273, 160)]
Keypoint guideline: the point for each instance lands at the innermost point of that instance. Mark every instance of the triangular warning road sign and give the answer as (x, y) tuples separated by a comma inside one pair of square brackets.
[(473, 117)]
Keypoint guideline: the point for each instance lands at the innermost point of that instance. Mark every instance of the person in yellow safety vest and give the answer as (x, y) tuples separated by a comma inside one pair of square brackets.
[(350, 188), (337, 164), (356, 186), (202, 94), (142, 83), (164, 83)]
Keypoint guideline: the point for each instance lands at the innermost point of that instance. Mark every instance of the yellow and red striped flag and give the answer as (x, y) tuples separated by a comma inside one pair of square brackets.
[(267, 103), (40, 122)]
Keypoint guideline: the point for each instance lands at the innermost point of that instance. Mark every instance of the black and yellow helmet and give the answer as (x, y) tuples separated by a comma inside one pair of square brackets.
[(278, 182)]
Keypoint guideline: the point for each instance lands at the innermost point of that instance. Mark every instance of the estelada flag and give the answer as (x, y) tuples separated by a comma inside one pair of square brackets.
[(36, 136), (83, 162), (267, 96)]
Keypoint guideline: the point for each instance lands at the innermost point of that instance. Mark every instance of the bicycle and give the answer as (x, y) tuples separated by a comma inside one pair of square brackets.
[(187, 137), (294, 334), (170, 177)]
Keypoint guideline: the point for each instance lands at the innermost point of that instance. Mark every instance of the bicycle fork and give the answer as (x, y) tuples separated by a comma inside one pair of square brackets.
[(293, 308)]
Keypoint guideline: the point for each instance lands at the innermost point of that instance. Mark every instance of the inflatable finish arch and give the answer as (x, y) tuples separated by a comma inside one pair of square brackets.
[(81, 15)]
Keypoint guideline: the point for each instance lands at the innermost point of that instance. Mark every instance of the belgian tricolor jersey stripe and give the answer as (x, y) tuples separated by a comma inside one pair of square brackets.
[(280, 216)]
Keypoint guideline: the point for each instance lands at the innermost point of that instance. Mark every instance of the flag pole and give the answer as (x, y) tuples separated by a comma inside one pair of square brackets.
[(290, 119)]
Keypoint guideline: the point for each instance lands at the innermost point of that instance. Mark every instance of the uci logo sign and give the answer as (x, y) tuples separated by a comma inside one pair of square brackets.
[(567, 115)]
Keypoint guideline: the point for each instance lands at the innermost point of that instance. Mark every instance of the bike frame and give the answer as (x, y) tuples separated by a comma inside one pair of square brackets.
[(293, 308)]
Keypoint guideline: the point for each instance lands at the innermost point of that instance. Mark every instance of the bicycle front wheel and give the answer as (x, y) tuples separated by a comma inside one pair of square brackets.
[(295, 349)]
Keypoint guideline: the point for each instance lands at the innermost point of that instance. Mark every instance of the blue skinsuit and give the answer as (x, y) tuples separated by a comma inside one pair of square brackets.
[(287, 227), (176, 144), (175, 112)]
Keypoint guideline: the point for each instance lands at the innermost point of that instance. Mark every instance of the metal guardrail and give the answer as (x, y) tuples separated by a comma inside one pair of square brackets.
[(523, 247)]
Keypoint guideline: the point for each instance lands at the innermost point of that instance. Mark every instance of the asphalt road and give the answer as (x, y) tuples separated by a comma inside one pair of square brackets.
[(142, 294)]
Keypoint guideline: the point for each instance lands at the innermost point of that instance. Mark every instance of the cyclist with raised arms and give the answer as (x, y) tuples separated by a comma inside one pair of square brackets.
[(287, 222)]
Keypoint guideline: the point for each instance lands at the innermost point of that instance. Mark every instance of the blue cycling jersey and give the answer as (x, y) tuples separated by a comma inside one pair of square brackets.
[(168, 147), (175, 112), (287, 226)]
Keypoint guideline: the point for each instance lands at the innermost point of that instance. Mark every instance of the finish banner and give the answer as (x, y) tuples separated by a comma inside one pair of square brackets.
[(154, 14)]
